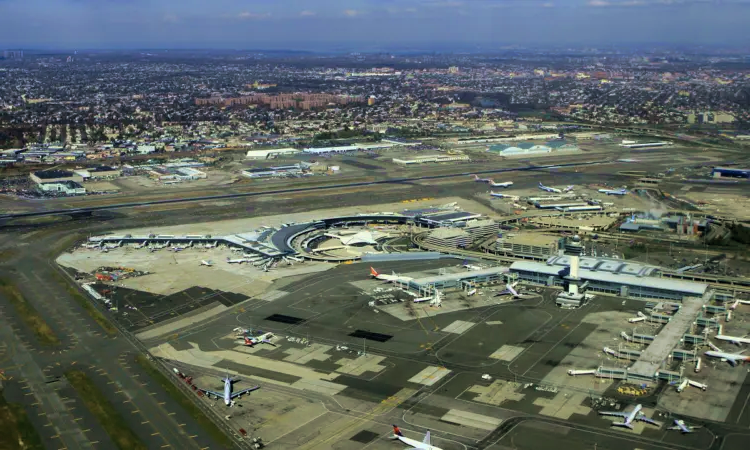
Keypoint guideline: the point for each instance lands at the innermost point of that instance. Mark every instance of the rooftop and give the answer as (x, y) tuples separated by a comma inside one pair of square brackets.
[(459, 276), (658, 351), (606, 265), (53, 173), (529, 239), (686, 288)]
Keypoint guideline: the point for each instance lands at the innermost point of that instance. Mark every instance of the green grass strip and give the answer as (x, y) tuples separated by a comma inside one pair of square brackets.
[(28, 314), (106, 414), (18, 431)]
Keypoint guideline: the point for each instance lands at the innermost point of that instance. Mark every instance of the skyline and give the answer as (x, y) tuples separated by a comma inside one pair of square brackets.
[(368, 24)]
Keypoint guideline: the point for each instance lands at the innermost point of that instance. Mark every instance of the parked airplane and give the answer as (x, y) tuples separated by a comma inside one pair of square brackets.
[(629, 417), (227, 395), (237, 261), (505, 184), (262, 339), (424, 445), (733, 339), (141, 245), (206, 263), (549, 189), (179, 248), (499, 195), (568, 188), (682, 426), (509, 289), (435, 300), (628, 160), (481, 180), (374, 273), (732, 358), (613, 191)]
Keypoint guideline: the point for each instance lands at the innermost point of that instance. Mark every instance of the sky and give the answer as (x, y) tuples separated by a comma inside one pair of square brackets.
[(368, 24)]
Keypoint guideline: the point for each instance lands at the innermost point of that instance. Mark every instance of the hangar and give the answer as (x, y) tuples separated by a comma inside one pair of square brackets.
[(729, 172)]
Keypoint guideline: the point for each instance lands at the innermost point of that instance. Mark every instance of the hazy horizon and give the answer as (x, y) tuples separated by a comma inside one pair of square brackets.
[(325, 25)]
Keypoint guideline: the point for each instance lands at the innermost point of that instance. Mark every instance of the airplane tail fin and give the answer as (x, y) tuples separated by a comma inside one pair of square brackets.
[(373, 272), (396, 431), (622, 424), (426, 439)]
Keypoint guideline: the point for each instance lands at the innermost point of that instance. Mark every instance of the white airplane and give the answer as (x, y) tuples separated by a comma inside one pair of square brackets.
[(509, 289), (569, 188), (499, 195), (374, 273), (424, 445), (505, 184), (227, 395), (481, 180), (178, 248), (435, 300), (733, 339), (628, 160), (635, 414), (262, 339), (549, 189), (237, 261), (682, 426), (141, 245), (206, 263), (732, 358), (613, 191)]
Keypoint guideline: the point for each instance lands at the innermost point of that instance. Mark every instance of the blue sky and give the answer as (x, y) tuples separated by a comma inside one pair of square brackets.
[(367, 24)]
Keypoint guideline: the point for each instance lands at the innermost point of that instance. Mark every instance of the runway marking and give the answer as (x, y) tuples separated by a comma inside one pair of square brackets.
[(42, 414), (171, 414), (136, 411), (193, 436), (182, 425), (144, 423), (154, 434), (76, 420)]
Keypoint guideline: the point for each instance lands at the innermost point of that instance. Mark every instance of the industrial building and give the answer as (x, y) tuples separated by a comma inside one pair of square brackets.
[(293, 170), (54, 176), (350, 148), (98, 173), (431, 159), (270, 153), (526, 148), (64, 187), (719, 172)]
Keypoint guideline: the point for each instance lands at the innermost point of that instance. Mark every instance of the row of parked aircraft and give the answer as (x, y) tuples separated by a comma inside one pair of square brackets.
[(636, 415), (614, 191)]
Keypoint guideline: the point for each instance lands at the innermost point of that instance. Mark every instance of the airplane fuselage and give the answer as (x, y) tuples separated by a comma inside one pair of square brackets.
[(228, 391), (733, 358), (732, 339), (417, 444)]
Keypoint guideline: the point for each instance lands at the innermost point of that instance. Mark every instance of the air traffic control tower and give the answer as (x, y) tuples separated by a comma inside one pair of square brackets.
[(575, 295)]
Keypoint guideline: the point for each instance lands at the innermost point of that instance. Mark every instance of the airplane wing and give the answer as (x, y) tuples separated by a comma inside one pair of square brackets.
[(614, 413), (513, 291), (244, 391), (647, 420), (426, 439), (214, 393)]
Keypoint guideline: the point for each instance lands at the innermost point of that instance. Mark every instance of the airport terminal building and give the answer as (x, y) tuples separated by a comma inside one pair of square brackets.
[(609, 276)]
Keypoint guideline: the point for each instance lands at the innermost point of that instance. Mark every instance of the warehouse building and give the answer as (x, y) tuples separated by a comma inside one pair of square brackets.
[(431, 159), (63, 187), (54, 176), (98, 173), (270, 153)]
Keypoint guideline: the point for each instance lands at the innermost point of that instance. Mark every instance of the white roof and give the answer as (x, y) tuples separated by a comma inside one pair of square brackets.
[(687, 287), (363, 237)]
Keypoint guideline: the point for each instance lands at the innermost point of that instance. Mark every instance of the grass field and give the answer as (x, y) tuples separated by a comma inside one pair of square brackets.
[(18, 432), (208, 426), (86, 305), (110, 420), (28, 314)]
